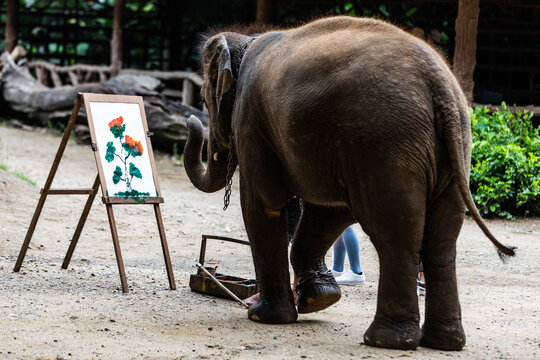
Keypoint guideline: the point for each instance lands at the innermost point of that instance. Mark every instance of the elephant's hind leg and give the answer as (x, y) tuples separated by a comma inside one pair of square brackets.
[(395, 223), (319, 228), (442, 326)]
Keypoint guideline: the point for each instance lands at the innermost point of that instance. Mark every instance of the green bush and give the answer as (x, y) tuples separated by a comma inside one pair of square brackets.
[(505, 163)]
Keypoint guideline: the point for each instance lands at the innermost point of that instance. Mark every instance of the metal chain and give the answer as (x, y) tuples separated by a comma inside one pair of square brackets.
[(230, 173)]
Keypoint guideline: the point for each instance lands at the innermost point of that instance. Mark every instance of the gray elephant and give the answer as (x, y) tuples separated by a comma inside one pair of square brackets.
[(367, 124)]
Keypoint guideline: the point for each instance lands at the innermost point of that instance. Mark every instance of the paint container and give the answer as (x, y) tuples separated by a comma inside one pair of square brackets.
[(211, 266)]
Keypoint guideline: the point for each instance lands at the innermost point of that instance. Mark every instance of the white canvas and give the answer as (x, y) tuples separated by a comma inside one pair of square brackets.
[(129, 155)]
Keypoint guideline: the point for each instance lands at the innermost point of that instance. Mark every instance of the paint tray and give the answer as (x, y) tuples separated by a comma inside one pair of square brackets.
[(199, 282)]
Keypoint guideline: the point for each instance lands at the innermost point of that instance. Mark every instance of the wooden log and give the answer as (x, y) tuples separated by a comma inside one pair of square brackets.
[(42, 77), (102, 76), (18, 53), (40, 105), (88, 76), (76, 74), (167, 75), (73, 78), (57, 82), (65, 69), (187, 92)]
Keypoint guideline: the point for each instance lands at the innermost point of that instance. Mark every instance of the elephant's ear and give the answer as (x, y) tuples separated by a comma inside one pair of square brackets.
[(224, 78)]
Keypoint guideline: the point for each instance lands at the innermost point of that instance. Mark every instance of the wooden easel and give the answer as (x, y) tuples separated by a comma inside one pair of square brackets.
[(91, 192)]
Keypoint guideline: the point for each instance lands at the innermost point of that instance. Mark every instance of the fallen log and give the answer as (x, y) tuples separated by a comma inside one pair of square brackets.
[(38, 105)]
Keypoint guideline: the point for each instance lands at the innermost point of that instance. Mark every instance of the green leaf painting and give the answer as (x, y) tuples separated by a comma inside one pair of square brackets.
[(111, 150), (134, 171), (117, 175)]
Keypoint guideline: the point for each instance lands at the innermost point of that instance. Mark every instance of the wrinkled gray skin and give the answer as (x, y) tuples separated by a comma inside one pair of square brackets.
[(367, 124)]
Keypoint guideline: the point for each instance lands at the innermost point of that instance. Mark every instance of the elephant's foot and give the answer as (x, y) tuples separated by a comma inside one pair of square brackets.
[(449, 337), (275, 313), (403, 335), (316, 291)]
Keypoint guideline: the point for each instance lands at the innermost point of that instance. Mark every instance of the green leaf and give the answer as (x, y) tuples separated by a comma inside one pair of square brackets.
[(411, 11), (117, 175), (111, 150), (132, 193), (118, 132), (384, 10), (444, 38), (134, 171), (129, 150)]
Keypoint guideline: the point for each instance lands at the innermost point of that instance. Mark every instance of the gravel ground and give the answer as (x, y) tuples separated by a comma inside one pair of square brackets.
[(81, 313)]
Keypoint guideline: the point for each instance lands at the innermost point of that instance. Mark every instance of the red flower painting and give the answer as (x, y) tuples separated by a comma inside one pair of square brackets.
[(128, 148), (133, 145)]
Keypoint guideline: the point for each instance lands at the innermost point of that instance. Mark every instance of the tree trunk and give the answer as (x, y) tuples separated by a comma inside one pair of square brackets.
[(264, 11), (116, 41), (11, 25), (465, 50)]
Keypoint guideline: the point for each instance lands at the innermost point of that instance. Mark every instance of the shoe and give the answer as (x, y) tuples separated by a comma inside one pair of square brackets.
[(420, 288), (350, 278), (336, 273)]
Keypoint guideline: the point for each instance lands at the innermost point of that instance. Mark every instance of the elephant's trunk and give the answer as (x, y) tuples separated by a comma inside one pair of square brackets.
[(214, 177)]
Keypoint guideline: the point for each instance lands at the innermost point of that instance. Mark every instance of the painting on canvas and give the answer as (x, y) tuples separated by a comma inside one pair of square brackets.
[(123, 148)]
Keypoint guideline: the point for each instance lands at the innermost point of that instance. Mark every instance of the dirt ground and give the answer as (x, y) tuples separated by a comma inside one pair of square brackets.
[(81, 313)]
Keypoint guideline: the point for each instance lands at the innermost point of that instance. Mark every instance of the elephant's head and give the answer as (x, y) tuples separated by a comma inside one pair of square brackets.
[(221, 57)]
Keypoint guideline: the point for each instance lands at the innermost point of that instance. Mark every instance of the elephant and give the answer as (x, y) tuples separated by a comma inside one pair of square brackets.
[(367, 124)]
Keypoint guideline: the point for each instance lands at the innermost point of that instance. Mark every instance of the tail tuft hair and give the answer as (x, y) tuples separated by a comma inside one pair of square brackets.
[(510, 251)]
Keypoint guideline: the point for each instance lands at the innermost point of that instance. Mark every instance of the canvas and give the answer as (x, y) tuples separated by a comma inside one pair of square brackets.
[(123, 149)]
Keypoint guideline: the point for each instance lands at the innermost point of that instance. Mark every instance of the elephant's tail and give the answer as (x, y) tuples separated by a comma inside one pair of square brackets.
[(453, 136)]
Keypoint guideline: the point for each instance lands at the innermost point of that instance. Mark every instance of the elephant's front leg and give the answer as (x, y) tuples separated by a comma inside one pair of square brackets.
[(319, 228), (265, 221)]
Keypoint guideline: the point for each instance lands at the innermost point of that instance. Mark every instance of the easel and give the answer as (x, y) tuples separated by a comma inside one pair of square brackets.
[(91, 192)]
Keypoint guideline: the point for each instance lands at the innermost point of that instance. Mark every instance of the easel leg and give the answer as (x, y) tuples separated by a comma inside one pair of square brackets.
[(48, 182), (30, 232), (81, 223), (165, 247), (116, 244)]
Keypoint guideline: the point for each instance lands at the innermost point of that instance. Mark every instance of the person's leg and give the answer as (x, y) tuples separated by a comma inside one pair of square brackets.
[(339, 254), (353, 250)]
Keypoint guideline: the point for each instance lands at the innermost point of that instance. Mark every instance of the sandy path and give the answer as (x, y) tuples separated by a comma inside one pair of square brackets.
[(80, 313)]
